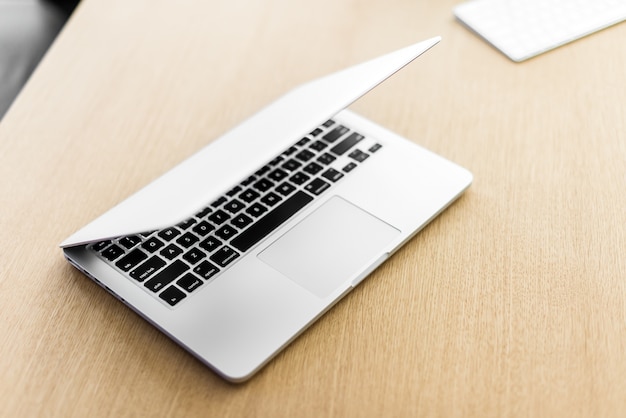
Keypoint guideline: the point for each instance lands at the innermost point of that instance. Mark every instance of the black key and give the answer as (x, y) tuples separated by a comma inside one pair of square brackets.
[(248, 181), (277, 175), (318, 146), (326, 158), (263, 185), (317, 186), (210, 244), (130, 241), (226, 232), (313, 168), (169, 233), (256, 210), (219, 217), (187, 239), (332, 174), (152, 244), (224, 256), (147, 269), (219, 202), (358, 155), (172, 295), (186, 224), (271, 221), (299, 178), (271, 199), (263, 170), (328, 123), (375, 148), (189, 282), (290, 151), (234, 191), (99, 246), (204, 212), (193, 256), (285, 188), (335, 134), (316, 132), (349, 167), (112, 252), (131, 259), (234, 206), (303, 142), (277, 161), (203, 228), (291, 165), (206, 270), (249, 195), (241, 221), (171, 251), (166, 276), (305, 155), (352, 139)]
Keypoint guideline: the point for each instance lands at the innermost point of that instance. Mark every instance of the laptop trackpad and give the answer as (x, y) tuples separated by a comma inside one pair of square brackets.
[(329, 246)]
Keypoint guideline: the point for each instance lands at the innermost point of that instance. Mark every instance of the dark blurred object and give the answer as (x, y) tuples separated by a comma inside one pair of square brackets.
[(27, 29)]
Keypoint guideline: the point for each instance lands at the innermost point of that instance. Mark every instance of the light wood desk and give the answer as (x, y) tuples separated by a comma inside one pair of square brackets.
[(511, 303)]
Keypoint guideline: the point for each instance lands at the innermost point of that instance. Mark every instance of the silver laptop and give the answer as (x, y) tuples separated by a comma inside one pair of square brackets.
[(238, 249)]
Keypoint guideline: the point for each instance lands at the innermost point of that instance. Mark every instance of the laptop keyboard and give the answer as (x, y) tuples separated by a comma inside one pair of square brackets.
[(174, 262)]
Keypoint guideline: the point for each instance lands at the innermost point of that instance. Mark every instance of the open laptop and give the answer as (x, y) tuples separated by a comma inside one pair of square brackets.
[(238, 249)]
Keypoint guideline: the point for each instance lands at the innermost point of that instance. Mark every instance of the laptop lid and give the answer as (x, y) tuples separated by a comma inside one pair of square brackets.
[(189, 186)]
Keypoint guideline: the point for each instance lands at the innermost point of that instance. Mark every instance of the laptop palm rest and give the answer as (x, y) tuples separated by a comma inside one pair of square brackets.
[(330, 245)]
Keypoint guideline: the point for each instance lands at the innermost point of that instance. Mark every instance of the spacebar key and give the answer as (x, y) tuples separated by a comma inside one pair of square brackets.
[(271, 221)]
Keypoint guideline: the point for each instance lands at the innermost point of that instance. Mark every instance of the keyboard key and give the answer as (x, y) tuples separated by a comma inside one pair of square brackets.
[(169, 234), (189, 282), (332, 174), (204, 212), (328, 123), (316, 132), (290, 151), (99, 246), (148, 268), (206, 270), (210, 244), (291, 165), (152, 244), (326, 158), (271, 199), (234, 206), (241, 221), (112, 252), (224, 256), (317, 186), (203, 228), (219, 217), (249, 196), (375, 148), (305, 155), (171, 251), (303, 142), (358, 155), (318, 146), (352, 139), (299, 178), (172, 295), (131, 259), (263, 185), (271, 221), (167, 275), (186, 224), (226, 232), (193, 256), (313, 168), (130, 241), (219, 202), (234, 191), (187, 239), (349, 167), (335, 134), (248, 181), (256, 210), (285, 188), (277, 161), (277, 175), (263, 170)]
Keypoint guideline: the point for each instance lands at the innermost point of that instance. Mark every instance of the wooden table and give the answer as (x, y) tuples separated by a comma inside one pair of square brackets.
[(511, 303)]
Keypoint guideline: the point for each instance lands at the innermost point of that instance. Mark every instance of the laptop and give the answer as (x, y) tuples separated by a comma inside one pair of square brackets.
[(239, 248)]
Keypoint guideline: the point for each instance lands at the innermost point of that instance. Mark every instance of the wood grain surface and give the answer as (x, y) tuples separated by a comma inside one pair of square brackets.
[(512, 303)]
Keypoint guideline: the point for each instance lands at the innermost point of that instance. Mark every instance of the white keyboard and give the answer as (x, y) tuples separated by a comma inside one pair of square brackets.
[(522, 29)]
